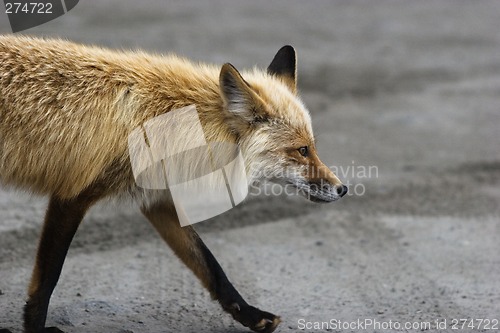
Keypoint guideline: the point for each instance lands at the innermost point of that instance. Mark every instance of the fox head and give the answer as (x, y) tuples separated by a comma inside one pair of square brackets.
[(274, 129)]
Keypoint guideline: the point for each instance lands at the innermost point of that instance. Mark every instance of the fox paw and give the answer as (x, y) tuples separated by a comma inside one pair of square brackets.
[(255, 319)]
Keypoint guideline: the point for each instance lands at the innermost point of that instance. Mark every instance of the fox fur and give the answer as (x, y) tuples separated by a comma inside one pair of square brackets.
[(66, 111)]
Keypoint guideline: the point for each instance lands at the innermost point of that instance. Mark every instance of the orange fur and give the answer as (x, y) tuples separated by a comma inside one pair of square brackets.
[(66, 111)]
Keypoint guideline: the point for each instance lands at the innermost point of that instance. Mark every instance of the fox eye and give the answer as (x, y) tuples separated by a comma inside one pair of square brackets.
[(304, 151)]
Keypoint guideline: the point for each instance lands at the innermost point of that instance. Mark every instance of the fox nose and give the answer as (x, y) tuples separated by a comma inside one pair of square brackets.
[(342, 190)]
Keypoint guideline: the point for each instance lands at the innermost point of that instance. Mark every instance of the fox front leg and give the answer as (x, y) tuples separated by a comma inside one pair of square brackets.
[(189, 247)]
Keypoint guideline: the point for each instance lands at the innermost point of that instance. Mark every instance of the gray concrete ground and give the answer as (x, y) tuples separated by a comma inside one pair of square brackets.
[(411, 88)]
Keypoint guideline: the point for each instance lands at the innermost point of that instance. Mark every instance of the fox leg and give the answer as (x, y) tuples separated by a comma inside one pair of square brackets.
[(61, 222), (189, 247)]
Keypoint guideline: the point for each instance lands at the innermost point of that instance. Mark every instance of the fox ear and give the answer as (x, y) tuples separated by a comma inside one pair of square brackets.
[(284, 66), (239, 98)]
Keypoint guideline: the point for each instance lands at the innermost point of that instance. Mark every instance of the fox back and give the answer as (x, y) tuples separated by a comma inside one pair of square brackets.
[(66, 109)]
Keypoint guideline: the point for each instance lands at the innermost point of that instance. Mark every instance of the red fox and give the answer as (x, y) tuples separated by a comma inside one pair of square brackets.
[(66, 111)]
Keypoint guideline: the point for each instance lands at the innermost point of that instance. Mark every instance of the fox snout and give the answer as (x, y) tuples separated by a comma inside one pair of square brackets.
[(322, 189), (324, 192), (324, 186)]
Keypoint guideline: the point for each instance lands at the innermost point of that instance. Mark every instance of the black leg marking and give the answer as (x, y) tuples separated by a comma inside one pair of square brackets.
[(189, 247), (231, 300), (61, 223)]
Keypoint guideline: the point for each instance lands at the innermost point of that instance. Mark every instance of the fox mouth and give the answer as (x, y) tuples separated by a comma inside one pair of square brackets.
[(317, 199), (318, 194)]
